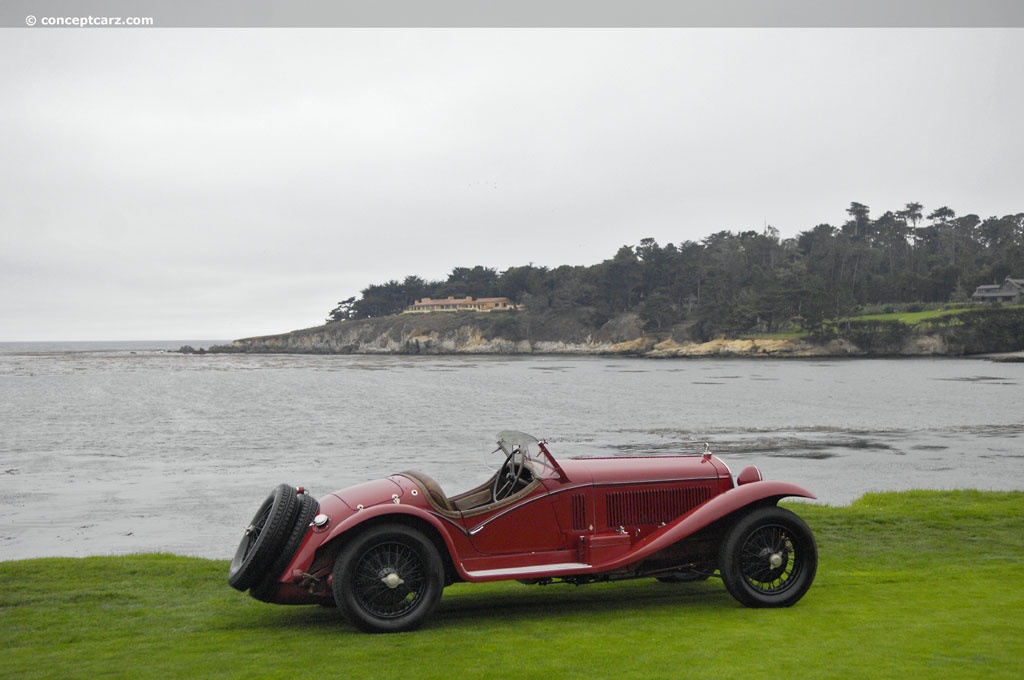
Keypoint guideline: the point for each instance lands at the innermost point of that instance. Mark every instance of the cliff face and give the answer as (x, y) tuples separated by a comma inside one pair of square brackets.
[(445, 333), (501, 333)]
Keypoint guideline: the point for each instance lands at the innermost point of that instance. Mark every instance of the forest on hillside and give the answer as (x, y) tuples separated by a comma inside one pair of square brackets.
[(749, 281)]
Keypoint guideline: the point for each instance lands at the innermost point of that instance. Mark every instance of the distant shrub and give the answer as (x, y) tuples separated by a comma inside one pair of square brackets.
[(988, 330), (876, 336)]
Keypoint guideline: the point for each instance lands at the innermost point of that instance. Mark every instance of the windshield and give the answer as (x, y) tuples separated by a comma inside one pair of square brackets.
[(541, 463)]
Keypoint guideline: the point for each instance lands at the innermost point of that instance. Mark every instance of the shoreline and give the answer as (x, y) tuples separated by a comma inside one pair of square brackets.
[(643, 348), (997, 333)]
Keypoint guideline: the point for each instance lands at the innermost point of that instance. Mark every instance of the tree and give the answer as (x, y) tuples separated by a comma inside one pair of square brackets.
[(859, 224), (570, 289), (941, 215), (479, 281), (518, 281), (735, 281), (622, 280), (415, 288), (343, 311), (912, 214), (657, 311), (381, 300), (891, 235)]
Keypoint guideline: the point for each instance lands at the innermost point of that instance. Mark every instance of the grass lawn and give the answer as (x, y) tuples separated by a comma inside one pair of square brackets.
[(914, 318), (911, 318), (915, 584)]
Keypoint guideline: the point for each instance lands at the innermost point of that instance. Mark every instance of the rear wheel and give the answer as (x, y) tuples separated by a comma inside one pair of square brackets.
[(768, 558), (388, 579), (264, 537)]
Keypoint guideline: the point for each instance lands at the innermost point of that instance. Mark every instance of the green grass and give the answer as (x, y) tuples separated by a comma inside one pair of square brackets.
[(918, 584), (781, 335), (914, 318), (910, 318)]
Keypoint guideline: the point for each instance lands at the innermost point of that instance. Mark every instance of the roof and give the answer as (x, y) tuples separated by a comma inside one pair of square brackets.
[(482, 304), (1008, 288)]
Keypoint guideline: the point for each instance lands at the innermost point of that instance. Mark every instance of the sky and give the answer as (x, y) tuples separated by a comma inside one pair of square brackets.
[(225, 183)]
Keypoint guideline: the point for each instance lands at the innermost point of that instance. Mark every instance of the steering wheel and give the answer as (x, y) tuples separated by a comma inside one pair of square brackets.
[(512, 476)]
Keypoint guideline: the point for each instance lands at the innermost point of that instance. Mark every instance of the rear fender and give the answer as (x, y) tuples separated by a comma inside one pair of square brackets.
[(345, 521), (718, 507), (407, 514), (400, 512)]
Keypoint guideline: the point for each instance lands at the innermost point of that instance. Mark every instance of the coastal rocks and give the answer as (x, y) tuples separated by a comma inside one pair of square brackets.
[(470, 340), (463, 340), (441, 334), (507, 334), (925, 345), (766, 347)]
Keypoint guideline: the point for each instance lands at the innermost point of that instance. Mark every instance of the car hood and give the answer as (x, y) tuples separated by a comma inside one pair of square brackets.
[(630, 469)]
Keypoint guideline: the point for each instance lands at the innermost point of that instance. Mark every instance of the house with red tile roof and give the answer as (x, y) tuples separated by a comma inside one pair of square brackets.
[(452, 304)]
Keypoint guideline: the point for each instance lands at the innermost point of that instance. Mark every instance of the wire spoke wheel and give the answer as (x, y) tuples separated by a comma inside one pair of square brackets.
[(388, 579), (252, 532), (768, 558)]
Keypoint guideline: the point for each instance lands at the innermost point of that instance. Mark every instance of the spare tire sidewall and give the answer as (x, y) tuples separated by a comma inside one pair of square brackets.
[(265, 589), (264, 537)]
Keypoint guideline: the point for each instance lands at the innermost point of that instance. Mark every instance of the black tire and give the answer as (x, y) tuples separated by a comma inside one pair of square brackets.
[(265, 589), (768, 558), (264, 537), (388, 579)]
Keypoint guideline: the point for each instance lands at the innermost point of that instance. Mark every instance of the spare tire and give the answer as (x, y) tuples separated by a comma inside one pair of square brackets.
[(265, 589), (264, 537)]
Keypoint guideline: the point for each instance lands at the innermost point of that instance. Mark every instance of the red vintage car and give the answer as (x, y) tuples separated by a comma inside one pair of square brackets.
[(383, 551)]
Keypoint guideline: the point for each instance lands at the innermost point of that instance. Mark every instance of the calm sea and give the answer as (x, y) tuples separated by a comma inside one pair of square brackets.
[(126, 447)]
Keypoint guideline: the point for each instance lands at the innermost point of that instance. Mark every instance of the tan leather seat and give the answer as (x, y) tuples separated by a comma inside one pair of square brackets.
[(435, 495)]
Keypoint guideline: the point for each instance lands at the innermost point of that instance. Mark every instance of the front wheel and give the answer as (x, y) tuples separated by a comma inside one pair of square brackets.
[(388, 579), (768, 558)]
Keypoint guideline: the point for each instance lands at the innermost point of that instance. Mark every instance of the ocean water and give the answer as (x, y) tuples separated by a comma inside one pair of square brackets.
[(126, 447)]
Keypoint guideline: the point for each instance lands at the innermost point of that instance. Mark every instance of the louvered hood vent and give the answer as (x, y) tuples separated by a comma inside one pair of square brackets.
[(578, 510), (652, 506)]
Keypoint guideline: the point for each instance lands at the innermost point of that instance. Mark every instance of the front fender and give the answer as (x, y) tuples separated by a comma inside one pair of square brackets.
[(718, 507)]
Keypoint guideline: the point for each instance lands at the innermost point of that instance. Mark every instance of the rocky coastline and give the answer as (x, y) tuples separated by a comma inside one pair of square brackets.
[(499, 334)]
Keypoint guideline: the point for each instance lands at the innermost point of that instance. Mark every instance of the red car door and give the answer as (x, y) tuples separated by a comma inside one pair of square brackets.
[(525, 526)]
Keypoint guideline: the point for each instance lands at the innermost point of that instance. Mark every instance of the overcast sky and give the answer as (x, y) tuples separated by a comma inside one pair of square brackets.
[(218, 184)]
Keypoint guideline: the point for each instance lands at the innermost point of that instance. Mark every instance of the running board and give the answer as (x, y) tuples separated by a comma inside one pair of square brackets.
[(526, 572)]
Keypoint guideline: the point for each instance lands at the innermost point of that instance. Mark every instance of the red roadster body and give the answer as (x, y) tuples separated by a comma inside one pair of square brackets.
[(384, 550)]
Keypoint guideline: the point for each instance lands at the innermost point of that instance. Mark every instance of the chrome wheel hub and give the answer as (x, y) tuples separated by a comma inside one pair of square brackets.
[(392, 580)]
